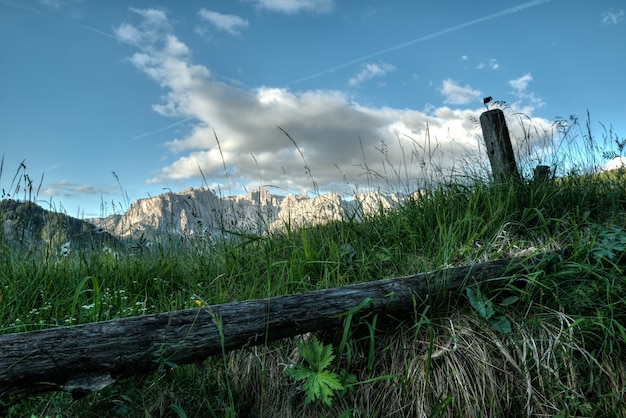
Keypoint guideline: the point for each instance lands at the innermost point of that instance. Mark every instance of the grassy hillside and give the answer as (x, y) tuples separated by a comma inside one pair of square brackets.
[(563, 355), (26, 226), (548, 343)]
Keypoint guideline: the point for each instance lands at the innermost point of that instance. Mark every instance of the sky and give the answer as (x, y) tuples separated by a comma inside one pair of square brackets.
[(106, 102)]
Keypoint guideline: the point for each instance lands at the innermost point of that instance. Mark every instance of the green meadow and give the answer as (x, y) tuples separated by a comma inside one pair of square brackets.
[(551, 342)]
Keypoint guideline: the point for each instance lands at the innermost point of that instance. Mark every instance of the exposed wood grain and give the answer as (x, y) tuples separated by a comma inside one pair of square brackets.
[(499, 148)]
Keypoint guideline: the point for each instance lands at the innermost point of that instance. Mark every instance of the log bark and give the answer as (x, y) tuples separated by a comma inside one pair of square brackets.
[(92, 356)]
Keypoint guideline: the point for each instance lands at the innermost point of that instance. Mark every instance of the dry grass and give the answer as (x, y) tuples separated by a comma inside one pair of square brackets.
[(450, 367)]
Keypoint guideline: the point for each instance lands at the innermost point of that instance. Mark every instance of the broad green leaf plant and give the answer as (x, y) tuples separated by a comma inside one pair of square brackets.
[(319, 383), (484, 306)]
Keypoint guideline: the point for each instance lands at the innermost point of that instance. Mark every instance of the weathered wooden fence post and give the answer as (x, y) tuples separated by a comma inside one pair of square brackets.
[(541, 173), (499, 148)]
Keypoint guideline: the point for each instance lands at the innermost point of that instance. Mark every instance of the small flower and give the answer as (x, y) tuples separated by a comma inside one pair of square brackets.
[(199, 303), (110, 253), (65, 249)]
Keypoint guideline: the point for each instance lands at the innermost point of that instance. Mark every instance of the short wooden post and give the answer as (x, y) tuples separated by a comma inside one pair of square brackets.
[(499, 148), (541, 173)]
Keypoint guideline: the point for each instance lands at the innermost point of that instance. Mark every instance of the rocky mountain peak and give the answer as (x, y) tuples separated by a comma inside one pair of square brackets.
[(201, 212)]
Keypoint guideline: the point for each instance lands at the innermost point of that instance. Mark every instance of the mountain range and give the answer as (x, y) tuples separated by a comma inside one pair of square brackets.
[(201, 212), (194, 212), (197, 213)]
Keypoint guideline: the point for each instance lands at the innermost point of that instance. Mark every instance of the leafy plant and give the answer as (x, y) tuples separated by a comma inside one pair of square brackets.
[(484, 306), (610, 242), (319, 383)]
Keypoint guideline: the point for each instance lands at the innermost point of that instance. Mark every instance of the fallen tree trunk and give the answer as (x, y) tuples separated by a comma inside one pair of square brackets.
[(91, 356)]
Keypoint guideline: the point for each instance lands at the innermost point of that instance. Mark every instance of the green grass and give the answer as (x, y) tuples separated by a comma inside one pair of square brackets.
[(565, 353)]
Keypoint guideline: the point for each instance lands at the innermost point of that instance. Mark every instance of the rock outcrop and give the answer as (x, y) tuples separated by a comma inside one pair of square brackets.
[(202, 213)]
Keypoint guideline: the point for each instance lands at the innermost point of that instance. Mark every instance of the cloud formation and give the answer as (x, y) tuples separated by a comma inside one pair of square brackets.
[(66, 188), (237, 142), (520, 84), (492, 64), (458, 95), (612, 18), (297, 6), (520, 91), (231, 24), (369, 71)]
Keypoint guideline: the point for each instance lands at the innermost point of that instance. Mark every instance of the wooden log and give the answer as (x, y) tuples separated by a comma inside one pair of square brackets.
[(91, 356), (499, 148)]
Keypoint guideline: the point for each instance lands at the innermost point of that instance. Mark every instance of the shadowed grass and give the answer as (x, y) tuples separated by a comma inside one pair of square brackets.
[(564, 355)]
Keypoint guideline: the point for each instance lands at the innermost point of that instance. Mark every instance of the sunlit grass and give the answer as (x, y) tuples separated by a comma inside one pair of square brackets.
[(564, 355)]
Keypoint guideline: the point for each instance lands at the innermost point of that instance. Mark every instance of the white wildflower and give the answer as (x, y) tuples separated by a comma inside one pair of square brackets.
[(65, 249)]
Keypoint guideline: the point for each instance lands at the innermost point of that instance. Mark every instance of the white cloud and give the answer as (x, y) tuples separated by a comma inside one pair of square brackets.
[(520, 84), (369, 71), (492, 63), (231, 24), (458, 95), (612, 18), (528, 101), (67, 188), (297, 6), (154, 23), (340, 139)]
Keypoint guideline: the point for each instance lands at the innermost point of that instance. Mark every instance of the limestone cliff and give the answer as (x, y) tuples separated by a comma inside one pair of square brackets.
[(201, 212)]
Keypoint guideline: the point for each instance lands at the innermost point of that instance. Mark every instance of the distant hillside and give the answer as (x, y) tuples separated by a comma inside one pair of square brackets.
[(200, 212), (28, 225)]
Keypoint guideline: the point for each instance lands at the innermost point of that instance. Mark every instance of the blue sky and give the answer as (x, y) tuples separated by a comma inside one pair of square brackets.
[(141, 89)]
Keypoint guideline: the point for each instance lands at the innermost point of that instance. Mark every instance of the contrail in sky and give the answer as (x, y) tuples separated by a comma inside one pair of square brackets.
[(10, 3), (425, 38), (98, 31), (163, 129)]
